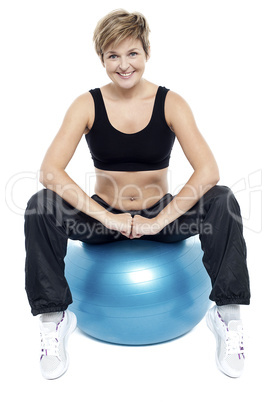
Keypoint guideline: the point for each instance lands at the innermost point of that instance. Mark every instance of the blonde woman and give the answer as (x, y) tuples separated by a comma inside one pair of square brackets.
[(130, 126)]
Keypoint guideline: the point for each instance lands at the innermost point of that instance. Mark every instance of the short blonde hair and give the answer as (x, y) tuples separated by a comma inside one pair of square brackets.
[(119, 25)]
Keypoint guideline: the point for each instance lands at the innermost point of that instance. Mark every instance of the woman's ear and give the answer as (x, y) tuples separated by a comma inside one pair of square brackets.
[(102, 60)]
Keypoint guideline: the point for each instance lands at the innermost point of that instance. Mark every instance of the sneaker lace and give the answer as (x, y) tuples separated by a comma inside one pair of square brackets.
[(49, 344), (235, 343)]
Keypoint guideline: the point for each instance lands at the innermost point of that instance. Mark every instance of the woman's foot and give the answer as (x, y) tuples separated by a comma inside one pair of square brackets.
[(229, 339), (55, 329)]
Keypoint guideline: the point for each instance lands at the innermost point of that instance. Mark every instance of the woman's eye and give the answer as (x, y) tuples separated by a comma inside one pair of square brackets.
[(114, 56)]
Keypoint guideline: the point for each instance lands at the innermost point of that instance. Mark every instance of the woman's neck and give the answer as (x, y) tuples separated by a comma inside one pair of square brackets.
[(128, 94)]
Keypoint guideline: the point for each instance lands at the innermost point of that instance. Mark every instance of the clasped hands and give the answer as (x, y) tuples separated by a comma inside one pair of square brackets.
[(133, 227)]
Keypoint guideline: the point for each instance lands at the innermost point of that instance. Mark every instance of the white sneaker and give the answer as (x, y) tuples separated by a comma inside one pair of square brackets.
[(54, 360), (229, 338)]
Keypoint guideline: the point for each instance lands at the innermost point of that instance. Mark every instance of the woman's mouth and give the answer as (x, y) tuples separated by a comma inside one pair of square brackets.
[(125, 75)]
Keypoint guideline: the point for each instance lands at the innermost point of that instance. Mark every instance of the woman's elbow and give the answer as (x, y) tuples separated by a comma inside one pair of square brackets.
[(43, 177), (214, 175), (210, 175), (47, 175)]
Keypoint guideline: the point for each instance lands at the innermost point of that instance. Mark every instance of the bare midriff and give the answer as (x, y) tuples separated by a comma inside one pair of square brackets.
[(131, 190)]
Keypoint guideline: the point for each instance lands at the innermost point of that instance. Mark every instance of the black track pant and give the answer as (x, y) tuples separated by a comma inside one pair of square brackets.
[(50, 221)]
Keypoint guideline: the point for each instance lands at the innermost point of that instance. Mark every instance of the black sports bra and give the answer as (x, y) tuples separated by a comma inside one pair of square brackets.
[(148, 149)]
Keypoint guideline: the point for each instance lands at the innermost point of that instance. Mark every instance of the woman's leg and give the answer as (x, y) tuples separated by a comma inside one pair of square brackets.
[(49, 222), (217, 220)]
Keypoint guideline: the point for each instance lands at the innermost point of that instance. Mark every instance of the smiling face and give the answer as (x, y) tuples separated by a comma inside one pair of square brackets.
[(125, 63)]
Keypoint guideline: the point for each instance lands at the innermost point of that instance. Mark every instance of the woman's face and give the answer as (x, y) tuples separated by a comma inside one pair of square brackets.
[(125, 63)]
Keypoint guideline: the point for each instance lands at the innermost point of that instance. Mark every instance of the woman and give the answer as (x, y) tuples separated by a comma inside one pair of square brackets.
[(130, 126)]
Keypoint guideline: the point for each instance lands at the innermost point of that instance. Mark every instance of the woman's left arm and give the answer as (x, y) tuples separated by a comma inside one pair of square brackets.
[(206, 173)]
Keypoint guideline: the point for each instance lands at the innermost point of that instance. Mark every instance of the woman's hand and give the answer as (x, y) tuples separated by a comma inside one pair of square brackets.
[(143, 226), (133, 228), (120, 222)]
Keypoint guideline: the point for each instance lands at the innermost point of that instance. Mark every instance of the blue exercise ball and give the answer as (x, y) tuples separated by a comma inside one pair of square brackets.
[(137, 292)]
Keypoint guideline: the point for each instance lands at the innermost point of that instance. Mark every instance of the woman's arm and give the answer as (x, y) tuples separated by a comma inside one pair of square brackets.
[(54, 177), (206, 174)]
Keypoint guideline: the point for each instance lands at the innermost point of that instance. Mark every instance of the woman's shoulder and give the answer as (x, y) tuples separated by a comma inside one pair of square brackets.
[(175, 100), (83, 106), (82, 101), (176, 107), (175, 97)]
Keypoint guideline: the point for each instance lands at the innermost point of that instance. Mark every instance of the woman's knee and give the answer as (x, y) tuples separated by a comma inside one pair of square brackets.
[(220, 193), (48, 205), (225, 199), (46, 202), (38, 202)]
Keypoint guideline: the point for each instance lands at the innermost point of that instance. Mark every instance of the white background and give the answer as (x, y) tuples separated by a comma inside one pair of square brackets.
[(211, 52)]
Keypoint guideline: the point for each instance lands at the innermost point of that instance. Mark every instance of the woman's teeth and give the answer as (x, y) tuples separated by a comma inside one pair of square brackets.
[(125, 75)]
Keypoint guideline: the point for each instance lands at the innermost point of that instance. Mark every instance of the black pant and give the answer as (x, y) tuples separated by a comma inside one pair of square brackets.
[(50, 221)]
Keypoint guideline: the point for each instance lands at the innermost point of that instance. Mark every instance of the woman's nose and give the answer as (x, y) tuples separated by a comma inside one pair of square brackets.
[(124, 64)]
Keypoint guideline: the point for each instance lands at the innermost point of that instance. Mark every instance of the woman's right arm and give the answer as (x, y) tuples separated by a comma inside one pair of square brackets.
[(54, 177)]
